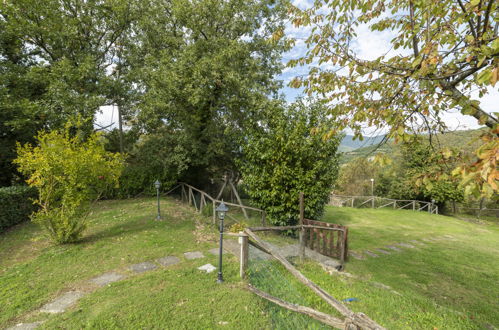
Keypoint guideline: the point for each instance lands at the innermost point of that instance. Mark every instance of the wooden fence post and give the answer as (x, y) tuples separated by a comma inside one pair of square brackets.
[(214, 212), (414, 205), (243, 240), (302, 230), (264, 218)]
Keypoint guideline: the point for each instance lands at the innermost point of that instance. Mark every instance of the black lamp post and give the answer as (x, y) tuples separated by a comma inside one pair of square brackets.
[(157, 184), (221, 209)]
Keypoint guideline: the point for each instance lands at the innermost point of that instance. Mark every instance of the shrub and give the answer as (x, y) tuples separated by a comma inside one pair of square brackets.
[(291, 151), (69, 172), (16, 205), (159, 156)]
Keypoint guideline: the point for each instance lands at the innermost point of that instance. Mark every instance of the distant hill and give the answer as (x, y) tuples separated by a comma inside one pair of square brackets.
[(348, 143), (465, 140)]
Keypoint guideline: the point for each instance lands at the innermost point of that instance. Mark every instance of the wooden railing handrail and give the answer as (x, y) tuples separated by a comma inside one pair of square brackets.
[(220, 201)]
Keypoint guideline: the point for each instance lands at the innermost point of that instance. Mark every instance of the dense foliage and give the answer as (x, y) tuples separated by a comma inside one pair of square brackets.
[(287, 155), (440, 54), (414, 170), (69, 172), (162, 155), (205, 76), (16, 205)]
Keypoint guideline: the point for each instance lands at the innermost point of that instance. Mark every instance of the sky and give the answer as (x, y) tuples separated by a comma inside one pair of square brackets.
[(368, 45)]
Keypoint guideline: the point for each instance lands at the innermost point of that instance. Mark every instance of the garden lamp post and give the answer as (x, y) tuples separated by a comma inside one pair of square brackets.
[(221, 209), (157, 184)]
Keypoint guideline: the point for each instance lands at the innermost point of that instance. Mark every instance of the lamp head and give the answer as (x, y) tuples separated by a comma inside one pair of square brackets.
[(222, 209)]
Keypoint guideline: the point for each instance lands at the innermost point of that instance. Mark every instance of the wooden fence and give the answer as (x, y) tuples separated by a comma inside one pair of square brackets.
[(349, 319), (200, 199), (381, 202), (326, 238)]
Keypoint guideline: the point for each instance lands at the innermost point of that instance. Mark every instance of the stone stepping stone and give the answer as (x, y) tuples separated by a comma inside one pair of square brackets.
[(60, 304), (207, 268), (382, 251), (356, 255), (215, 251), (107, 278), (409, 246), (26, 326), (142, 267), (394, 248), (193, 255), (371, 254), (168, 261)]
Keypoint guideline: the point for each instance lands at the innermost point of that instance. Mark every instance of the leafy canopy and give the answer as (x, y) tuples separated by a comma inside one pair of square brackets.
[(441, 52)]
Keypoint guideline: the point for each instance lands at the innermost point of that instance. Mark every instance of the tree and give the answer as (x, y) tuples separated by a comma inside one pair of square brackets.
[(354, 177), (441, 52), (21, 89), (69, 173), (286, 155), (56, 61), (206, 69), (423, 173), (162, 155)]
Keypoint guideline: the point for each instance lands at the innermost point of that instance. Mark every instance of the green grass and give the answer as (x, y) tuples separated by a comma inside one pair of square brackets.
[(121, 233), (448, 284)]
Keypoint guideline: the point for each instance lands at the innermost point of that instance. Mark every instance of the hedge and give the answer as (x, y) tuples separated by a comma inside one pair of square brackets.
[(16, 205)]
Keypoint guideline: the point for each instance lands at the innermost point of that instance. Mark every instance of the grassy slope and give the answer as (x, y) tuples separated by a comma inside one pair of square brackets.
[(121, 233), (448, 284)]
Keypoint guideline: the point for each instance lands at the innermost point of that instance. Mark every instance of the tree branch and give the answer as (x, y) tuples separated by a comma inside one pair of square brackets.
[(414, 36), (479, 114), (470, 22)]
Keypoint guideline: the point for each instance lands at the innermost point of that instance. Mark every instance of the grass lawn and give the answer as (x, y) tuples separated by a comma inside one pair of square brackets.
[(121, 233), (446, 284)]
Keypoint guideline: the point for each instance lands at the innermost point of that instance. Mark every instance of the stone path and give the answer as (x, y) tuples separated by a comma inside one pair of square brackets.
[(69, 299), (397, 247)]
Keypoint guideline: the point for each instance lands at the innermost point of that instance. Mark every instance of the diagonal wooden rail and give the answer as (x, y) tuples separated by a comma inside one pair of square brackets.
[(352, 320), (187, 194)]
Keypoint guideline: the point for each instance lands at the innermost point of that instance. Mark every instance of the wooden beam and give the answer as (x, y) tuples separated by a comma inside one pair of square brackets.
[(275, 228), (222, 190), (323, 227), (302, 229), (319, 316), (243, 266), (238, 199), (357, 318)]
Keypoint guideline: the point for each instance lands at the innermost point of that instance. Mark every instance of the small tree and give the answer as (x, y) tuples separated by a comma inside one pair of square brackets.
[(69, 173), (288, 154)]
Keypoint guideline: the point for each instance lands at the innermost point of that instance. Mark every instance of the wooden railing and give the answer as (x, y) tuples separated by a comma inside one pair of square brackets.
[(329, 239), (381, 202), (188, 195)]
